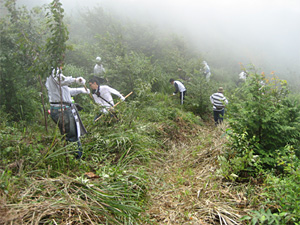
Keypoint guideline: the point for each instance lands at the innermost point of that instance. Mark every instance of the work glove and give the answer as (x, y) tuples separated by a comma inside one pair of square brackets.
[(122, 98), (80, 80), (174, 93), (88, 91)]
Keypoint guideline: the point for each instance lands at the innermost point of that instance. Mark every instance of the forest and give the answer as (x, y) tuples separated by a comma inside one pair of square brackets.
[(153, 160)]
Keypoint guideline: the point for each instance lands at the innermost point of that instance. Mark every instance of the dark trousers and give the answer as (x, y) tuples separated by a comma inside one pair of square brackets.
[(218, 116), (67, 125), (182, 96)]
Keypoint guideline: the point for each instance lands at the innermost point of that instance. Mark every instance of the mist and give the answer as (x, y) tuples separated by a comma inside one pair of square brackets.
[(264, 33)]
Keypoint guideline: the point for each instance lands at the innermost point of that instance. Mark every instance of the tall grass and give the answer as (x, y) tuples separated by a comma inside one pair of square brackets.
[(42, 182)]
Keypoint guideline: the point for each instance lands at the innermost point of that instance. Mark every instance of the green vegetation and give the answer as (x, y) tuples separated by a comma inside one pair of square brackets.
[(245, 171), (263, 147)]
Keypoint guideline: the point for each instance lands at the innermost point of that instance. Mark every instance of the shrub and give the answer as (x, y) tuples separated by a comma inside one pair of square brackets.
[(269, 120)]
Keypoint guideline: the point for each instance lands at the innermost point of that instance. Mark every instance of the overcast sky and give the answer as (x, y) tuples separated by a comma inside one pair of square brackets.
[(262, 32)]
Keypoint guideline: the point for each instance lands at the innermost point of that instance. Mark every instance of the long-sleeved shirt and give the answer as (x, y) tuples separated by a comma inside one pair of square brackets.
[(52, 84), (206, 72), (243, 75), (206, 69), (105, 93), (179, 87), (99, 69), (218, 100)]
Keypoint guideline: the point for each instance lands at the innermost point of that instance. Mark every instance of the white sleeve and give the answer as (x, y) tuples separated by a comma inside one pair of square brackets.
[(66, 80), (226, 101), (76, 91), (114, 91), (211, 99)]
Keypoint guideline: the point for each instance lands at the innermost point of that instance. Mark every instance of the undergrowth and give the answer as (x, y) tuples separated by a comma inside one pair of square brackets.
[(41, 181)]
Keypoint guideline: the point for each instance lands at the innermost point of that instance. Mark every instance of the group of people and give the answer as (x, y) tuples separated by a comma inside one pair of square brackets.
[(218, 100), (65, 114)]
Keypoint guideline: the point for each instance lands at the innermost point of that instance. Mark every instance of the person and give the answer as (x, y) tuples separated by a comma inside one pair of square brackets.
[(219, 101), (179, 87), (102, 95), (62, 111), (206, 70), (242, 77), (98, 69)]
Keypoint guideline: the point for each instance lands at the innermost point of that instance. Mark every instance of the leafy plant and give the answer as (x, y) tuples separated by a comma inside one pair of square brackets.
[(56, 43), (18, 30), (261, 110), (282, 192), (197, 100), (265, 217)]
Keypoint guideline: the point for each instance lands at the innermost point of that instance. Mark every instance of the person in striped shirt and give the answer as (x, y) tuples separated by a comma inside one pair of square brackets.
[(219, 101)]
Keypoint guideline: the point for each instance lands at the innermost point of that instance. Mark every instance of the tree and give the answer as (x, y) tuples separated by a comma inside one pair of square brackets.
[(18, 32), (263, 121), (28, 50)]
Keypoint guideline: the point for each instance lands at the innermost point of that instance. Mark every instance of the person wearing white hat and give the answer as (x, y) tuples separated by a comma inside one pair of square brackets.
[(98, 69), (243, 76), (219, 101), (206, 70)]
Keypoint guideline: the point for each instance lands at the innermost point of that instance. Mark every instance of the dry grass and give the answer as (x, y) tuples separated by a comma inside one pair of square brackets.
[(63, 200), (185, 187)]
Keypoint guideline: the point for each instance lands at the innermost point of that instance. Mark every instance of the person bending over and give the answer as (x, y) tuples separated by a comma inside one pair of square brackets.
[(102, 95)]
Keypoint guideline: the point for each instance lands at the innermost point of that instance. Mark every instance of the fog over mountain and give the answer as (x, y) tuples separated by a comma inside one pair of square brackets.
[(263, 32)]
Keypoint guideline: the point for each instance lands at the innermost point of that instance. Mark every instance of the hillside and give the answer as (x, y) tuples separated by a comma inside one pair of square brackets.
[(150, 160), (185, 187)]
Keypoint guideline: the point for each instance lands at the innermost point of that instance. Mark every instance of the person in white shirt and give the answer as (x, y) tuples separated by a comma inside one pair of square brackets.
[(98, 69), (243, 76), (179, 87), (102, 95), (206, 71), (62, 111), (219, 101)]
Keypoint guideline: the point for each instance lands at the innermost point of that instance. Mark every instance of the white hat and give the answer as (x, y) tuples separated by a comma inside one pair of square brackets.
[(98, 59)]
